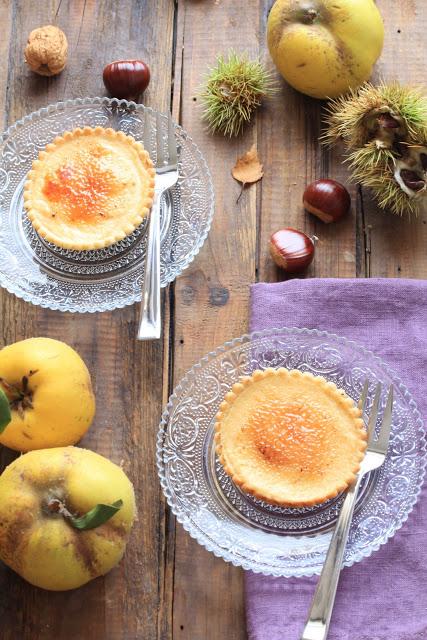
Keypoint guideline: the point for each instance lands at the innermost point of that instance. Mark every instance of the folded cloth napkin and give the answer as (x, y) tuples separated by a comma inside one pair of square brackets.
[(384, 597)]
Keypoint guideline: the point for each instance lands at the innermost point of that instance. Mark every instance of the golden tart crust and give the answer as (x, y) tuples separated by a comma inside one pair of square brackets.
[(89, 188), (289, 438)]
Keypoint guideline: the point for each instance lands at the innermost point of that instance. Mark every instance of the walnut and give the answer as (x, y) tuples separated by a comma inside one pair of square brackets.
[(46, 50)]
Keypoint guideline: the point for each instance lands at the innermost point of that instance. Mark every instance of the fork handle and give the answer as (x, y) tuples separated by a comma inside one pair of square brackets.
[(150, 324), (319, 616)]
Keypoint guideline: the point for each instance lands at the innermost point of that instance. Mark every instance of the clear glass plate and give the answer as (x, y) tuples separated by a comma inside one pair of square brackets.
[(88, 281), (249, 532)]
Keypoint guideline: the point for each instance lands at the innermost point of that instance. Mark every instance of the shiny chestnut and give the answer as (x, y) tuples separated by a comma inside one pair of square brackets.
[(292, 250), (329, 200), (126, 78)]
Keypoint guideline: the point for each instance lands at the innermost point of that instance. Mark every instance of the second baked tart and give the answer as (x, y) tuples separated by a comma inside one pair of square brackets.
[(290, 438), (89, 188)]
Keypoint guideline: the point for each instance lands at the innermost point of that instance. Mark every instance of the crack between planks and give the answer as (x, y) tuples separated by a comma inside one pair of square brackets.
[(169, 537), (174, 50), (259, 185), (364, 240), (178, 55), (258, 230)]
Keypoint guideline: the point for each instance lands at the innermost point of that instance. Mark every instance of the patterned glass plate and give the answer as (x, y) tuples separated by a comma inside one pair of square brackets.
[(249, 532), (105, 279)]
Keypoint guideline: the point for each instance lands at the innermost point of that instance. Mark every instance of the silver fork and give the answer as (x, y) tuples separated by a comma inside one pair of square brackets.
[(166, 176), (319, 617)]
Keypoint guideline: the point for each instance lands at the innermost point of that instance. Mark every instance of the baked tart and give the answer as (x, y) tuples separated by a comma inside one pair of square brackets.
[(89, 188), (289, 438)]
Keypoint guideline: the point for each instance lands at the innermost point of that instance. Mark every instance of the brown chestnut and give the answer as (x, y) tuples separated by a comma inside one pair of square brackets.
[(126, 78), (292, 250), (329, 200)]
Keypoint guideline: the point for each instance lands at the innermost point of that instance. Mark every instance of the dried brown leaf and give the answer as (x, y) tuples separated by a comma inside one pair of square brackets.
[(248, 168)]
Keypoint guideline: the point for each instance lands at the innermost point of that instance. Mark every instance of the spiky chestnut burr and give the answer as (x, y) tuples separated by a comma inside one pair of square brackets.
[(234, 88), (384, 129)]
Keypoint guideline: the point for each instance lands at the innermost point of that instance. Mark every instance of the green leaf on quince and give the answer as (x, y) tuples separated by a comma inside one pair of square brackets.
[(96, 516), (5, 413)]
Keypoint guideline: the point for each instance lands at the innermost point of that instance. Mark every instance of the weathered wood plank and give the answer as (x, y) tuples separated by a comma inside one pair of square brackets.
[(133, 601), (212, 295), (397, 245)]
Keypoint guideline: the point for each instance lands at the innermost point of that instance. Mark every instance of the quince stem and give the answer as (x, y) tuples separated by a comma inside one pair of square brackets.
[(90, 520), (309, 16)]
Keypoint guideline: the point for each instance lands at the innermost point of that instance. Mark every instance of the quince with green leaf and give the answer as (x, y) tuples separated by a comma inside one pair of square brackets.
[(65, 516)]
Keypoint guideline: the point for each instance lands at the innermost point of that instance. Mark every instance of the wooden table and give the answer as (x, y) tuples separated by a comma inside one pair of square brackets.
[(167, 586)]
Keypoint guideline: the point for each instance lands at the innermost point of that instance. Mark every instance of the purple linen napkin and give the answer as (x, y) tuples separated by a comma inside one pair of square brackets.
[(384, 597)]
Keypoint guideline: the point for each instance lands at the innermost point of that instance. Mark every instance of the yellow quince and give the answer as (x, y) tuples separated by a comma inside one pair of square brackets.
[(49, 390), (324, 48), (65, 516)]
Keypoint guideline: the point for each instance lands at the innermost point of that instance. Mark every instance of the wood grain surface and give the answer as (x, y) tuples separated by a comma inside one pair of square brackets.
[(167, 587)]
